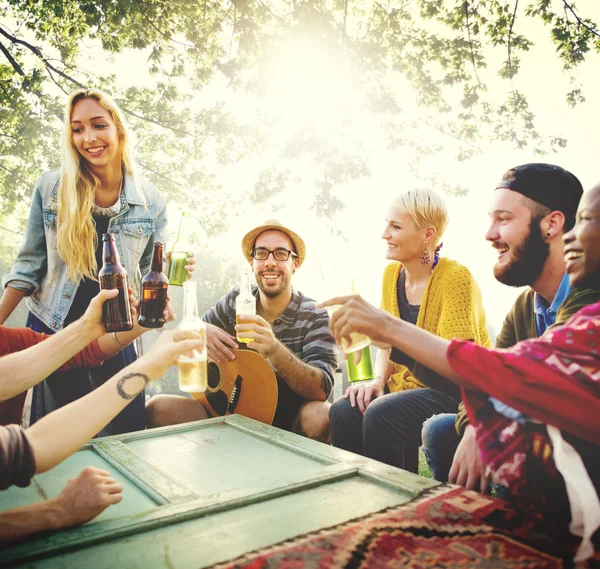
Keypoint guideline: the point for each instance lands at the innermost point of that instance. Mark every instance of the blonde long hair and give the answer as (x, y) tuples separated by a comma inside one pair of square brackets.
[(76, 232)]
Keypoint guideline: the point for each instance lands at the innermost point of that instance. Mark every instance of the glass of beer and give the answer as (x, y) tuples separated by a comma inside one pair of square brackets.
[(245, 303), (357, 341), (192, 365), (192, 372)]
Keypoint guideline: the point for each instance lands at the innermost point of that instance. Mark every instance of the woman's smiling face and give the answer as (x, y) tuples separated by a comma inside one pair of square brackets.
[(582, 243), (405, 241), (94, 133)]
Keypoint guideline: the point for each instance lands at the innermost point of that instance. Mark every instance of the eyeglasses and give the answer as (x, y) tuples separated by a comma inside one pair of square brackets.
[(261, 254)]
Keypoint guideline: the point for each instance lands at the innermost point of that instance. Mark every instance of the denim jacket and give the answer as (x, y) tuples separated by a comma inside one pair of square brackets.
[(42, 273)]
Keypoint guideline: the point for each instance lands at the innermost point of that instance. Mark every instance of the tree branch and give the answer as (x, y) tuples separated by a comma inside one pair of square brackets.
[(10, 230), (581, 22), (510, 29), (166, 178), (40, 55), (158, 123), (56, 82), (169, 38), (12, 60), (468, 26)]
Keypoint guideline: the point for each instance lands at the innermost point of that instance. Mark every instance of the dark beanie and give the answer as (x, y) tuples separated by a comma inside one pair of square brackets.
[(546, 184)]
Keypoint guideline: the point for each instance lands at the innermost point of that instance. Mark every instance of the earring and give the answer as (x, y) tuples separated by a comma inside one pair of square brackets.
[(547, 234), (424, 257)]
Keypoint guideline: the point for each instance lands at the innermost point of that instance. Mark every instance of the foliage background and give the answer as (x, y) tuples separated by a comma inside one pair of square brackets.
[(313, 111)]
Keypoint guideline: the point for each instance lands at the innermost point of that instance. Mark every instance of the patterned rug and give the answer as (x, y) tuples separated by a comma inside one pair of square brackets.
[(447, 528)]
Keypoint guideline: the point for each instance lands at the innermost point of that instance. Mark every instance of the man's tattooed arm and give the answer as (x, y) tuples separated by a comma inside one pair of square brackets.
[(128, 387), (308, 381)]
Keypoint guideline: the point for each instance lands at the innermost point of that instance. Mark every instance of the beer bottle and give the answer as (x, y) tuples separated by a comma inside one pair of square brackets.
[(192, 365), (179, 253), (154, 292), (116, 312), (245, 303)]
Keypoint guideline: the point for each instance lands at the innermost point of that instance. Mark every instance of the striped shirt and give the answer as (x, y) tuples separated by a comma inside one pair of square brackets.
[(302, 329)]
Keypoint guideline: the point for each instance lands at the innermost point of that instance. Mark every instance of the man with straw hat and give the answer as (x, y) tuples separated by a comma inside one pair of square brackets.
[(287, 330)]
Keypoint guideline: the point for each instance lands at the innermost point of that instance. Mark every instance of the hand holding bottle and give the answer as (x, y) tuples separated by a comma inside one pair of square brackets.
[(116, 312)]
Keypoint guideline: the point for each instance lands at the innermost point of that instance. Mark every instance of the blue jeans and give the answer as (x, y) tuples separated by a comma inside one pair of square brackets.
[(440, 441), (390, 430)]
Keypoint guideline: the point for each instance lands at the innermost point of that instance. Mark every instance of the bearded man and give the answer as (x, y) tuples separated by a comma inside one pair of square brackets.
[(533, 206), (287, 330)]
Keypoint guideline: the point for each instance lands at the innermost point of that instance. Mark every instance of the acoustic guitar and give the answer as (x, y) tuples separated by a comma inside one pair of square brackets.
[(246, 386)]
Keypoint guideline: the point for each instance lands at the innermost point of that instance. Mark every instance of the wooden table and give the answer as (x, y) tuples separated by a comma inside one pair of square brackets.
[(205, 492)]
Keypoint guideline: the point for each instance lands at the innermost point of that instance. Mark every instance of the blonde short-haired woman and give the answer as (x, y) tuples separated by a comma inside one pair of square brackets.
[(383, 419), (96, 190)]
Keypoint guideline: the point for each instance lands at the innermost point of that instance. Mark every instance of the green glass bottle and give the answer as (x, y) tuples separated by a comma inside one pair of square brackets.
[(363, 370), (179, 253)]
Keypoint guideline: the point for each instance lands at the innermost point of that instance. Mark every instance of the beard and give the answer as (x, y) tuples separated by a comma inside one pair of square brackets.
[(528, 259), (271, 292)]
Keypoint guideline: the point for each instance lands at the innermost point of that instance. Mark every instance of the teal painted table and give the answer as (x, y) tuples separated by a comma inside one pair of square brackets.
[(206, 492)]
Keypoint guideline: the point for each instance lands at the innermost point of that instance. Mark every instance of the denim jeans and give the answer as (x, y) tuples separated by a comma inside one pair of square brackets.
[(390, 430), (440, 441)]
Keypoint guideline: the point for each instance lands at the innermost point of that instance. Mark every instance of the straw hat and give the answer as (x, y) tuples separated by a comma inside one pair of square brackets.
[(273, 224)]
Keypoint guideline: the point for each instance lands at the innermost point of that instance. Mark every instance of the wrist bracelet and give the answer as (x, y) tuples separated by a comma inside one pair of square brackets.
[(114, 335)]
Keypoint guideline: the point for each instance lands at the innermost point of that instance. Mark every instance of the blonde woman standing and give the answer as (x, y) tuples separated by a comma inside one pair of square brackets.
[(97, 190), (383, 418)]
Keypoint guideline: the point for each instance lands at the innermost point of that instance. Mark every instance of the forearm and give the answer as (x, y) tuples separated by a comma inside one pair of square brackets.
[(305, 380), (110, 347), (9, 301), (383, 367), (18, 371), (21, 522), (62, 432)]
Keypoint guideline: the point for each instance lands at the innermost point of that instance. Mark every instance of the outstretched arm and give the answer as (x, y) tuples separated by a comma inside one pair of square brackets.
[(17, 370), (55, 437), (357, 315), (67, 347), (83, 498)]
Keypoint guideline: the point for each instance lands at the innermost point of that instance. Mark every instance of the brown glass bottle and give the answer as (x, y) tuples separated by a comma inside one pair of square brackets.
[(116, 312), (154, 292)]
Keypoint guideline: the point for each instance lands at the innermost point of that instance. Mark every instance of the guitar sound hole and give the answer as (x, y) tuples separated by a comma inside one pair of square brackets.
[(214, 376)]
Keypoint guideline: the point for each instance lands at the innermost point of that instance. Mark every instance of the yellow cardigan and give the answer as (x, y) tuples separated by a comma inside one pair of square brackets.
[(451, 308)]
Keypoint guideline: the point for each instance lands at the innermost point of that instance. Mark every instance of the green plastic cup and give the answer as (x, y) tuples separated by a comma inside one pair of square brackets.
[(363, 370)]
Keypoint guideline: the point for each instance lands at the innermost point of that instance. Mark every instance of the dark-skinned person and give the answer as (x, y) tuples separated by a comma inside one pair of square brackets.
[(532, 207), (534, 406)]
